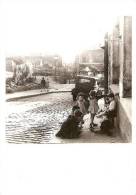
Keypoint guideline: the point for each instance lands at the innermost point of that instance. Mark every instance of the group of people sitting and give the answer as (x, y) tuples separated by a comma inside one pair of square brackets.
[(72, 126)]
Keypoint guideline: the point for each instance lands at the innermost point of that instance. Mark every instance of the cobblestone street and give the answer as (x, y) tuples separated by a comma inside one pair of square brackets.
[(37, 119)]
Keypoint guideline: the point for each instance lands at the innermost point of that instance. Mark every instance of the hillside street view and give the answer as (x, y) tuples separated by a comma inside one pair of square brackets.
[(75, 88)]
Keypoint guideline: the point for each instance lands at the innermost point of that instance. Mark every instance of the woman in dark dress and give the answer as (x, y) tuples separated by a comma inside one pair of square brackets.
[(70, 128)]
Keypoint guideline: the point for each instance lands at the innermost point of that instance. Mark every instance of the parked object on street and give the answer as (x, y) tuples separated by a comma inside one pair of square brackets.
[(83, 84)]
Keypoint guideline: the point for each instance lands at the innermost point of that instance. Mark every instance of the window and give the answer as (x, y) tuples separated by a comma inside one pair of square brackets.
[(84, 81)]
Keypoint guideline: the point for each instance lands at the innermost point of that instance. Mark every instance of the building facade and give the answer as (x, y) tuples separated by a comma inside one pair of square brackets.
[(90, 62), (120, 72)]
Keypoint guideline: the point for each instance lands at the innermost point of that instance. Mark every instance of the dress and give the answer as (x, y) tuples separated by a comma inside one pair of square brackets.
[(69, 128), (93, 106)]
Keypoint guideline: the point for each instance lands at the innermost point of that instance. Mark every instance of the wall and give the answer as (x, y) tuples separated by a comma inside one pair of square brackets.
[(125, 125), (120, 65), (123, 121), (125, 53), (113, 52), (91, 56)]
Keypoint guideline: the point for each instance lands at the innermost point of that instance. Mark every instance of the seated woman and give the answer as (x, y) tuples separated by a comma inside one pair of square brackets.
[(105, 126), (112, 111), (110, 108), (108, 115), (70, 128)]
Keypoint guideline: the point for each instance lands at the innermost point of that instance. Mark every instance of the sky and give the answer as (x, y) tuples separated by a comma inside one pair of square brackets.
[(58, 26)]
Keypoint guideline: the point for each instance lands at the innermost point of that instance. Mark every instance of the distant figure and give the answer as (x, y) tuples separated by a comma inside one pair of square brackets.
[(43, 84), (70, 128), (47, 84)]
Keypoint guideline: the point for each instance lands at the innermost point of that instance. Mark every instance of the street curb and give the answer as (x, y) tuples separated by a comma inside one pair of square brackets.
[(34, 95)]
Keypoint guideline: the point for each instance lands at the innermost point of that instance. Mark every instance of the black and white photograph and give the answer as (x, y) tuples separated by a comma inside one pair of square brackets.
[(67, 92), (68, 75)]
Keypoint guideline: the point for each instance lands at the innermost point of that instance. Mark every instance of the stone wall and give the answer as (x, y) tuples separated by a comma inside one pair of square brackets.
[(123, 122), (125, 125), (120, 65)]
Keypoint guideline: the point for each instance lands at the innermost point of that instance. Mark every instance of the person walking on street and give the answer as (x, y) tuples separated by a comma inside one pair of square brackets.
[(43, 83), (47, 84)]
